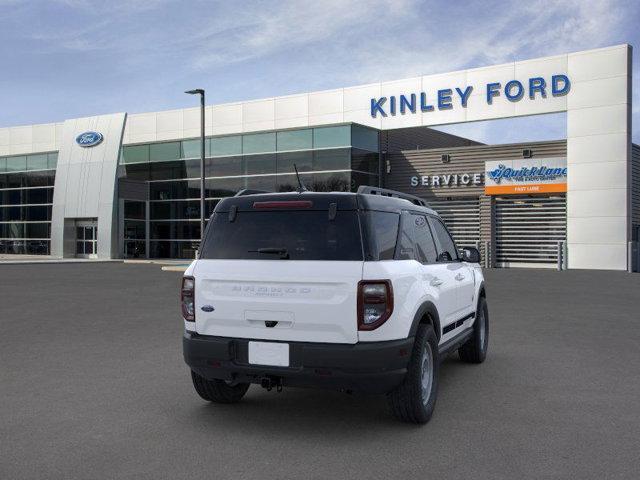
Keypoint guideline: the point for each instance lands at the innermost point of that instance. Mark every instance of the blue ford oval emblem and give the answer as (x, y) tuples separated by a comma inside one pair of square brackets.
[(89, 139)]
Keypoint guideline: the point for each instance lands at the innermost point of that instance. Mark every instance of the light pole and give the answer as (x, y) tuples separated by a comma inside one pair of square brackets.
[(200, 91)]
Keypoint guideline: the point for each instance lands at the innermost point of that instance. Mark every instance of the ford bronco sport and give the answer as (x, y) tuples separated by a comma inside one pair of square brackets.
[(357, 291)]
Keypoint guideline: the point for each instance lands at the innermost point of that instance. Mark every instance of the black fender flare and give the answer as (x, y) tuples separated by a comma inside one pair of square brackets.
[(481, 294), (427, 308)]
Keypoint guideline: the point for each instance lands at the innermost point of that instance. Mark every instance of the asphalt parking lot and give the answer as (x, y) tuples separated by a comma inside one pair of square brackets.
[(92, 385)]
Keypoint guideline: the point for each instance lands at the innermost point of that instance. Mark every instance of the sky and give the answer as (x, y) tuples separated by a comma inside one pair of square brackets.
[(72, 58)]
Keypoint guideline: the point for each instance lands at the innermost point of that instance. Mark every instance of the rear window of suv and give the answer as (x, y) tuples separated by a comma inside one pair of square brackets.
[(287, 234)]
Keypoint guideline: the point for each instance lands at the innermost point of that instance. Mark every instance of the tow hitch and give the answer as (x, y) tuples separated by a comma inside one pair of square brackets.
[(269, 383)]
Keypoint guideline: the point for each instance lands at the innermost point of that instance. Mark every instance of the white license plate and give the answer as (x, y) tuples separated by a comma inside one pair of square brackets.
[(269, 353)]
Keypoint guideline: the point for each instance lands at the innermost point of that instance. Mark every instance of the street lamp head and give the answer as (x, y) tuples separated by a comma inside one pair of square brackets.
[(197, 91)]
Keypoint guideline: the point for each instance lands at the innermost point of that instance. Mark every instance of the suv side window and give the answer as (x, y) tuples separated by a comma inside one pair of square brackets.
[(447, 251), (383, 233), (425, 247), (406, 248), (415, 241)]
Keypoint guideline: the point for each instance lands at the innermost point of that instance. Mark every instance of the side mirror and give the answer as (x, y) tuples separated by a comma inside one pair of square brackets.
[(471, 255), (444, 257)]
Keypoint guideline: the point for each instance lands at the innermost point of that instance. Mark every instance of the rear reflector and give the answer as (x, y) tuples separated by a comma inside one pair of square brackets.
[(284, 204)]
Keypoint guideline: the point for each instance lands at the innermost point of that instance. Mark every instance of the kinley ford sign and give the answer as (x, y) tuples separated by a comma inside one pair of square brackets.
[(445, 99), (504, 177)]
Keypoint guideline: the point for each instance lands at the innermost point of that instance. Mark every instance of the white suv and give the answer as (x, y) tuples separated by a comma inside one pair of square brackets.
[(357, 291)]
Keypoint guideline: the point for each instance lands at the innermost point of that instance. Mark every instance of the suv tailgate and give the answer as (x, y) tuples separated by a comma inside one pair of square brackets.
[(305, 301)]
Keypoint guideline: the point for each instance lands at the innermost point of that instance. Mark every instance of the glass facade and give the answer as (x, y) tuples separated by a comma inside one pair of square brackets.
[(26, 197), (333, 158)]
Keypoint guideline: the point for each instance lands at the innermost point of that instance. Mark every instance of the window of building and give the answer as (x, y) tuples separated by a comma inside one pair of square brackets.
[(339, 159), (327, 137), (364, 161), (16, 164), (168, 230), (224, 166), (161, 152), (175, 210), (260, 164), (37, 162), (224, 187), (168, 170), (52, 160), (134, 210), (302, 160), (328, 182), (223, 146), (259, 143), (364, 138), (135, 154), (172, 249), (138, 171), (265, 183), (191, 148), (295, 140)]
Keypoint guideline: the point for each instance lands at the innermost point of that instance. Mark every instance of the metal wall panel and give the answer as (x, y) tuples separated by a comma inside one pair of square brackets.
[(528, 230), (469, 159), (460, 204), (416, 138), (462, 218), (635, 184), (86, 183)]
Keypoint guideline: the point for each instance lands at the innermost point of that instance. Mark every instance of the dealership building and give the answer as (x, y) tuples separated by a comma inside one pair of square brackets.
[(127, 185)]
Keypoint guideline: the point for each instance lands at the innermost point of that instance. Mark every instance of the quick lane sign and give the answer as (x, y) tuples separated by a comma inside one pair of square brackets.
[(526, 175), (446, 99)]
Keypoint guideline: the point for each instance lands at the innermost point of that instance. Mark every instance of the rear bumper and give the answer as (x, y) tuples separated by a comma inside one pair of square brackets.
[(372, 367)]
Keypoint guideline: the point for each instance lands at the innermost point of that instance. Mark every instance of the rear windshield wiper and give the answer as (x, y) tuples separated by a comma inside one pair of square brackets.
[(284, 254)]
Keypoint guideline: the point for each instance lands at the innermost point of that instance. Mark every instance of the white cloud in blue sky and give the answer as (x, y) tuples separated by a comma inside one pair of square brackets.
[(71, 58)]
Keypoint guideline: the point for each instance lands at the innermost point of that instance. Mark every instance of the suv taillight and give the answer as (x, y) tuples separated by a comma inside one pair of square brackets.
[(375, 303), (187, 298)]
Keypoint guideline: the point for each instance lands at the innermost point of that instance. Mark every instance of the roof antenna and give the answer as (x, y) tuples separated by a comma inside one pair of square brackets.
[(301, 187)]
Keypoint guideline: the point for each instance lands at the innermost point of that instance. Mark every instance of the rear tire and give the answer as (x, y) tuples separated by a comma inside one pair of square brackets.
[(218, 391), (475, 349), (415, 399)]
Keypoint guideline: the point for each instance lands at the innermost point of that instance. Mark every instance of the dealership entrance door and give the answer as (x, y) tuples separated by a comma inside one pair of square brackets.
[(87, 238), (528, 230)]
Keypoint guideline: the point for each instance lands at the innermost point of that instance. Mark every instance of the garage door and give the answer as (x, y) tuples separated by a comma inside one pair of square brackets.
[(462, 218), (528, 230)]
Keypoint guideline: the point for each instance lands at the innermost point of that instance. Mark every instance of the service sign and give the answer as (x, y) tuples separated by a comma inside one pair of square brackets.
[(525, 176)]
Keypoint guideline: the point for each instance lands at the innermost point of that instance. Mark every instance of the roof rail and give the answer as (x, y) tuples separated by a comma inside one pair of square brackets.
[(248, 191), (384, 192)]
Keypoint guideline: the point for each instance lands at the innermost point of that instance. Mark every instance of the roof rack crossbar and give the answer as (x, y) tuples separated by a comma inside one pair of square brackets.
[(385, 192), (248, 191)]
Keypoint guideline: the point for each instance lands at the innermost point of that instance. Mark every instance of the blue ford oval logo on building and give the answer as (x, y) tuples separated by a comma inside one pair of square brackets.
[(89, 139)]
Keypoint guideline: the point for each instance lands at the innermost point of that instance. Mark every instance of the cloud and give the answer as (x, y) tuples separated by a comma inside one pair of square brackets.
[(290, 25), (261, 48)]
